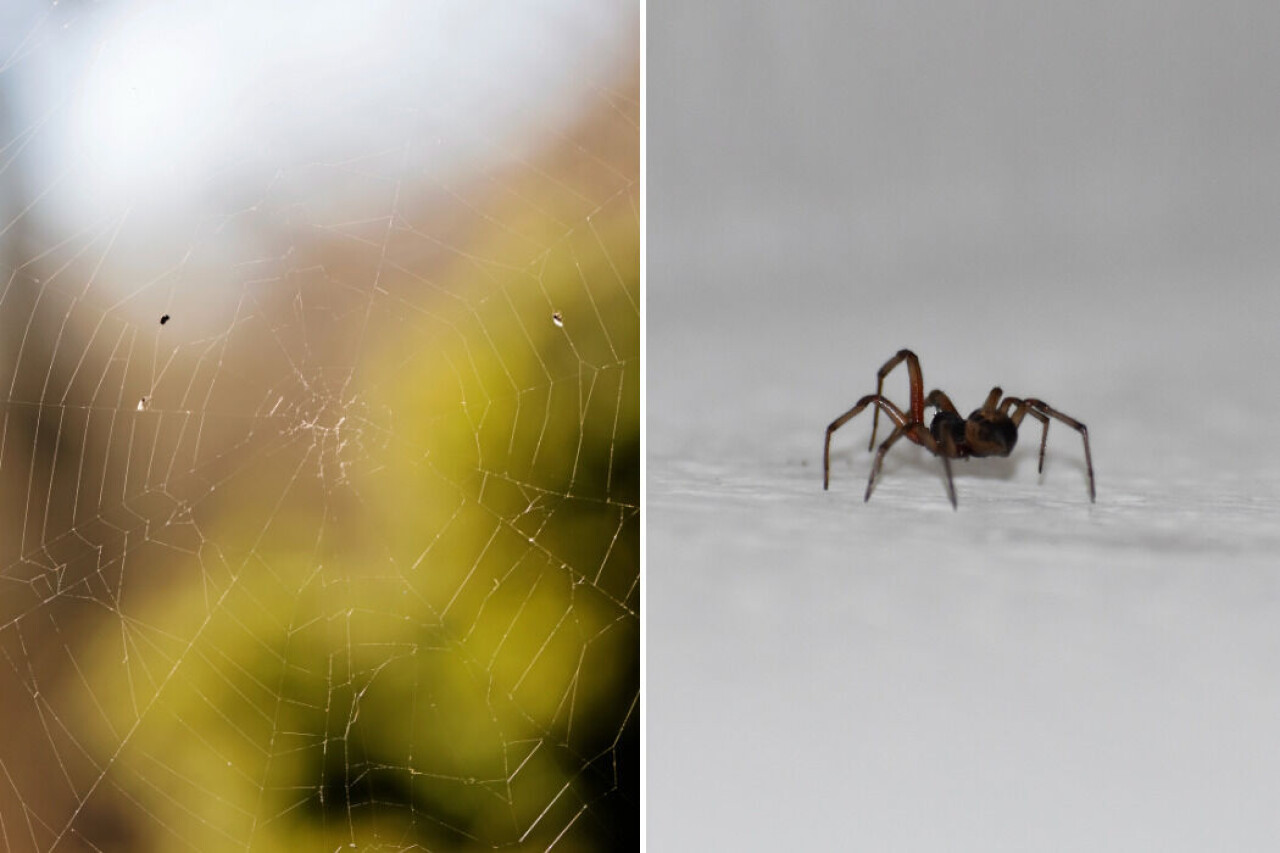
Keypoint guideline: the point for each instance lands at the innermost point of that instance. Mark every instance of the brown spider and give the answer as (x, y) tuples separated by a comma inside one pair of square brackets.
[(989, 431)]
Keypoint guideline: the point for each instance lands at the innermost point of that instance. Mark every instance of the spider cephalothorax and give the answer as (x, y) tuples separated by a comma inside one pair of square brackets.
[(988, 431)]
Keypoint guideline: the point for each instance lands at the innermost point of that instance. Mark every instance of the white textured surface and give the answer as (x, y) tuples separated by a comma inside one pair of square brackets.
[(1029, 672)]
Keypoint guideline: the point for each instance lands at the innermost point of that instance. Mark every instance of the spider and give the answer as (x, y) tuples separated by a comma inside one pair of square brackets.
[(989, 431)]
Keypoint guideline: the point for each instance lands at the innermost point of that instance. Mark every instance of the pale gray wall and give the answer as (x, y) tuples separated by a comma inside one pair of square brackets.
[(1079, 201), (972, 129)]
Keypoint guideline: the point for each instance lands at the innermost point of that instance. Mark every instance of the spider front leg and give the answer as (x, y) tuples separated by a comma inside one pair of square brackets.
[(922, 436), (917, 389), (880, 403), (1040, 407)]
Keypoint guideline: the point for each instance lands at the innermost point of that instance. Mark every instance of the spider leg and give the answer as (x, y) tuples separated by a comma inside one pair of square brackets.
[(922, 436), (917, 389), (897, 433), (991, 404), (940, 401), (1014, 409), (1044, 408), (880, 402)]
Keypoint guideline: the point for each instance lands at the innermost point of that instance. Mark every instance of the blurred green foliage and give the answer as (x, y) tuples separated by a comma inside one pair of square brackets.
[(416, 623)]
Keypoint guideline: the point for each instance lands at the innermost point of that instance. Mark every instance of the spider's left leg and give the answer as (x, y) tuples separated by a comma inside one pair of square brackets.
[(916, 388), (922, 436), (1015, 409), (880, 402), (897, 433), (1044, 408)]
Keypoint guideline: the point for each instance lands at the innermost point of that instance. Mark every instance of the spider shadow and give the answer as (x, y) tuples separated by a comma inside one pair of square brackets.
[(1020, 467), (914, 460)]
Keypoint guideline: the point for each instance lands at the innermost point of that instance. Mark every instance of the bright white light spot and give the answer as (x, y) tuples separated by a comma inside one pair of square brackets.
[(172, 105), (152, 110)]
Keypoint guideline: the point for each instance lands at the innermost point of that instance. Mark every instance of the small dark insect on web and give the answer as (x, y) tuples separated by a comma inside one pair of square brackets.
[(557, 319), (164, 318)]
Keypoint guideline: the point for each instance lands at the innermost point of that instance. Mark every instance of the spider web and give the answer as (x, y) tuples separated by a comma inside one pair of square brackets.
[(344, 552)]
